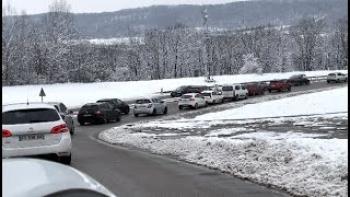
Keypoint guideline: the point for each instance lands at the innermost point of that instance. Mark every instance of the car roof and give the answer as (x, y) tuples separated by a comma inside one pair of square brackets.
[(40, 177), (21, 106), (192, 94), (108, 99), (208, 91)]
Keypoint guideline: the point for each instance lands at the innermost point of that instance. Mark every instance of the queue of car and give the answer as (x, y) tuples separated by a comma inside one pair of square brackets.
[(46, 128)]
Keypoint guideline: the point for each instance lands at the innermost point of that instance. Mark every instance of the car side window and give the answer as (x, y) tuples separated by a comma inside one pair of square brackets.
[(63, 108), (237, 88)]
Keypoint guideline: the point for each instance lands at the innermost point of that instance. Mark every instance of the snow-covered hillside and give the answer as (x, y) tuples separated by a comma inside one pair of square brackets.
[(77, 94)]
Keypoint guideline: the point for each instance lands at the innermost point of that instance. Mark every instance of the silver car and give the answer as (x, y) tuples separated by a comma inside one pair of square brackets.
[(34, 129), (37, 177), (65, 114), (151, 106)]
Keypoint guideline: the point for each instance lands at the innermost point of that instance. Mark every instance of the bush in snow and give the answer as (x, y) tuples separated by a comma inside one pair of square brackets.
[(251, 65)]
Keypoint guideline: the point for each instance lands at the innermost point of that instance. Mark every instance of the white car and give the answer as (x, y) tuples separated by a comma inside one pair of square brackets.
[(34, 129), (194, 100), (337, 77), (150, 106), (212, 97), (234, 91), (36, 177)]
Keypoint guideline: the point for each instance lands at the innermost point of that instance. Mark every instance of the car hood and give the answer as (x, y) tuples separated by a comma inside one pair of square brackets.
[(35, 177)]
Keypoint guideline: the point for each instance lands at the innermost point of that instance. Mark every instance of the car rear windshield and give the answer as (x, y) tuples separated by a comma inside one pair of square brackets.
[(227, 88), (206, 94), (143, 101), (29, 116), (186, 96)]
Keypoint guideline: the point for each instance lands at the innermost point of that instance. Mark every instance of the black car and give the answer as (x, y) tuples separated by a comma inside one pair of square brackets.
[(188, 89), (297, 80), (117, 103), (98, 113)]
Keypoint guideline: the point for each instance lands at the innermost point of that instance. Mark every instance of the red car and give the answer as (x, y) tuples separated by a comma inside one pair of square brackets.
[(254, 89), (280, 85)]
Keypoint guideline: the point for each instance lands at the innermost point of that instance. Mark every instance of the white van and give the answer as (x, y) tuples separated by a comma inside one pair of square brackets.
[(234, 91)]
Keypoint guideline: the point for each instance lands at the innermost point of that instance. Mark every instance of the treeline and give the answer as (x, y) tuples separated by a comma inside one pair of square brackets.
[(33, 55)]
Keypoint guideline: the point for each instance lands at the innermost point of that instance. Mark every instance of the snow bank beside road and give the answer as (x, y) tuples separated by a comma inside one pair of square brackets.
[(77, 94), (331, 101), (300, 165)]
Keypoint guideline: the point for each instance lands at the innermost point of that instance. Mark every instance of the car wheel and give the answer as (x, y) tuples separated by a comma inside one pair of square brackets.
[(180, 107), (270, 90), (165, 110), (246, 96), (65, 159), (196, 106), (126, 112), (117, 119), (82, 123), (289, 89), (136, 115), (154, 112), (72, 131)]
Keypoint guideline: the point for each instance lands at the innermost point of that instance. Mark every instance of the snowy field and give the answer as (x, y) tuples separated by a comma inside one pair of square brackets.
[(77, 94), (297, 158)]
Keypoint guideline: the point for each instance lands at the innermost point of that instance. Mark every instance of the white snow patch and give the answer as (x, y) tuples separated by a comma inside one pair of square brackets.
[(226, 132), (314, 103), (302, 166), (276, 135)]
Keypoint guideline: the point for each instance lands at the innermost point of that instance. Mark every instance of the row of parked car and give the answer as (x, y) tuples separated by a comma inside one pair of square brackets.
[(51, 124)]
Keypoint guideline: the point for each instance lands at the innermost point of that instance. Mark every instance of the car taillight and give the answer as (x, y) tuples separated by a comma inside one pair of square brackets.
[(149, 105), (98, 112), (6, 133), (60, 129)]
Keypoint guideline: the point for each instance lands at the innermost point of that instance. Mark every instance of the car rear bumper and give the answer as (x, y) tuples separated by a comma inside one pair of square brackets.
[(63, 148), (143, 110)]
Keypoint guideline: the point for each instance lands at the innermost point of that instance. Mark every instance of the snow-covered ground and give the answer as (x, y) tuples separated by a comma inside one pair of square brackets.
[(309, 162), (77, 94), (331, 101)]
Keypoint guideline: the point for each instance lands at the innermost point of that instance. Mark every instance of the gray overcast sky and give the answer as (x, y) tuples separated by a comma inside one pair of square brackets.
[(79, 6)]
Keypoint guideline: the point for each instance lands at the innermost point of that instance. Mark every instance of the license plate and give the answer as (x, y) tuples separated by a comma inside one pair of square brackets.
[(31, 137)]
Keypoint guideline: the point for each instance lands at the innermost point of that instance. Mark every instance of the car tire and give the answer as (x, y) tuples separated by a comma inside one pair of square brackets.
[(165, 111), (72, 130), (196, 106), (82, 123), (117, 119), (154, 112), (270, 90), (246, 96), (289, 89), (65, 159), (136, 115), (126, 112)]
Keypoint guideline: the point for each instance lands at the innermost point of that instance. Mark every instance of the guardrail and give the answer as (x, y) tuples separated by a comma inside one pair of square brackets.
[(318, 78)]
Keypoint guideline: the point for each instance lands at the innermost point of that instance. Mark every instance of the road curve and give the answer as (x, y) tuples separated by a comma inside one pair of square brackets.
[(131, 173)]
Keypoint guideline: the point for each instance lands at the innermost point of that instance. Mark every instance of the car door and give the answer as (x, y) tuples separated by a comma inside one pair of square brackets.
[(201, 99), (67, 117), (238, 90)]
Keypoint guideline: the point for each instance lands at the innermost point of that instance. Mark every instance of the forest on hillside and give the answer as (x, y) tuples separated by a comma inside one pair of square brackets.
[(33, 55)]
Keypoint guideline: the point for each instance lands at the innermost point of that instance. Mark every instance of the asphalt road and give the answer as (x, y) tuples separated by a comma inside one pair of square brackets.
[(129, 172)]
